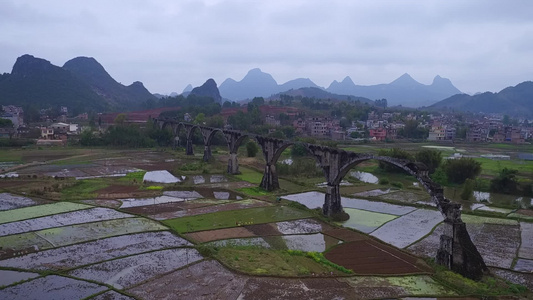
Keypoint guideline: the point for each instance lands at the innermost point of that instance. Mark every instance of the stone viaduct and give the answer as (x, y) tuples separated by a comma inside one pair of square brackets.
[(456, 250)]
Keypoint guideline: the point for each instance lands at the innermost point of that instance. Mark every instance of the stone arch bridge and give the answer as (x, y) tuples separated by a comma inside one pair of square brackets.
[(456, 250)]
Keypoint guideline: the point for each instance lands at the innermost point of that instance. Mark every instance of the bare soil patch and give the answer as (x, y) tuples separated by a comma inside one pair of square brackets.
[(369, 257), (154, 209), (220, 234), (346, 235), (264, 229), (527, 212)]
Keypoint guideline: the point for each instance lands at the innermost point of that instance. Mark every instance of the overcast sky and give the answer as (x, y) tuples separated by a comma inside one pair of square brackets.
[(479, 45)]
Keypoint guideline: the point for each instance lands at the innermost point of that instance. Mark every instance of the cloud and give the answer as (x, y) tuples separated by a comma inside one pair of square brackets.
[(479, 45)]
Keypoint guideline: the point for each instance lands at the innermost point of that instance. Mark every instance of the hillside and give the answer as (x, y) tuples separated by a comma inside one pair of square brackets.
[(117, 95), (515, 101), (208, 89), (35, 81)]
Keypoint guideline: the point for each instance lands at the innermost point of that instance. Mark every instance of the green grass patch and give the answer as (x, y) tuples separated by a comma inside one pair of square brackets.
[(84, 189), (154, 188), (492, 167), (260, 261), (250, 175), (254, 191), (11, 155), (488, 286), (137, 176), (225, 219)]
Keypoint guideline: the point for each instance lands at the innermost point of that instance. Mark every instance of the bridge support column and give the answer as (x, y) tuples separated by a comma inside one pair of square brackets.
[(188, 149), (457, 251), (207, 153), (270, 180), (332, 204), (233, 164)]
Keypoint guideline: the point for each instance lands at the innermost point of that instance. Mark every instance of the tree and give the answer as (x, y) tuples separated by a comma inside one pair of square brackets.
[(395, 153), (120, 119), (6, 123), (431, 158), (468, 189), (251, 149), (298, 149), (199, 119), (505, 182), (458, 170)]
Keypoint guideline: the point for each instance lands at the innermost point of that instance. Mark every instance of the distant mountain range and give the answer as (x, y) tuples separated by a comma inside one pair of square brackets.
[(514, 101), (403, 91), (81, 84)]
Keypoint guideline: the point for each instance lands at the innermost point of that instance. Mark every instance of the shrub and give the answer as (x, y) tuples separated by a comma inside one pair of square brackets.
[(251, 149), (458, 170), (468, 189), (397, 184), (383, 181), (431, 158), (395, 153)]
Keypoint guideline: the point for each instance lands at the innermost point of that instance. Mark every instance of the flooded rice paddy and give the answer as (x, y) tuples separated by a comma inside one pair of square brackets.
[(39, 211), (9, 201), (8, 277), (52, 287), (316, 242), (409, 228), (125, 272), (92, 252), (365, 221), (70, 218)]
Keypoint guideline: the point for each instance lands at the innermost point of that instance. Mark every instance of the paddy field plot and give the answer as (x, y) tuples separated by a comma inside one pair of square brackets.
[(92, 252), (68, 235), (393, 287), (52, 287), (234, 218), (526, 247), (409, 228), (125, 272), (9, 201), (39, 211), (64, 219), (365, 221), (8, 277)]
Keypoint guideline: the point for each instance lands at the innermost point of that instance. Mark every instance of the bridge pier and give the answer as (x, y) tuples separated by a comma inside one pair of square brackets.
[(189, 149), (456, 250), (233, 164), (207, 153), (332, 204), (270, 179), (272, 149)]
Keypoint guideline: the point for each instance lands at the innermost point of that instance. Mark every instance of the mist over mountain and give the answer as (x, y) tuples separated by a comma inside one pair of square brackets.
[(318, 93), (403, 91), (515, 101)]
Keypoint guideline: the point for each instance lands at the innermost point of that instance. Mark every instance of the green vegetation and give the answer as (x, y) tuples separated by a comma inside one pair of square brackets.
[(251, 148), (260, 261), (84, 189), (233, 218), (250, 175), (458, 170), (254, 191), (468, 189), (488, 286), (396, 153), (431, 158)]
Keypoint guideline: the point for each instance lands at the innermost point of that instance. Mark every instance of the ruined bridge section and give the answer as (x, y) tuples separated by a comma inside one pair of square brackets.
[(456, 250), (233, 139)]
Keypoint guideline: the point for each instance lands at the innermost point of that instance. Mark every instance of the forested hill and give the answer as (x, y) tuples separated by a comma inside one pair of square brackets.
[(35, 81), (514, 101), (117, 95), (81, 85)]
